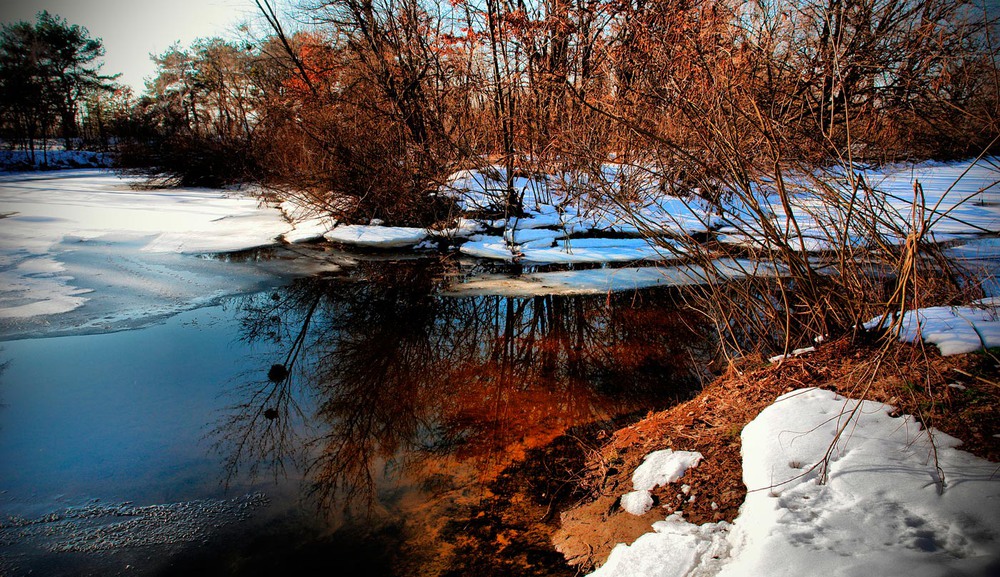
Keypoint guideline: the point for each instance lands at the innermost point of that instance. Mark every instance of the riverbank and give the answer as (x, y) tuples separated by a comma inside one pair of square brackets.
[(86, 253), (958, 395)]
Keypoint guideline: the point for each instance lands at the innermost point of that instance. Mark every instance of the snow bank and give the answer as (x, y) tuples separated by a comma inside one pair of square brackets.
[(489, 246), (309, 229), (960, 200), (557, 208), (955, 330), (675, 548), (885, 508), (52, 159), (582, 203)]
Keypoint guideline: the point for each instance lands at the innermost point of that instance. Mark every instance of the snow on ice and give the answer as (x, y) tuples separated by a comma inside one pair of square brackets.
[(52, 158), (885, 508), (376, 236), (602, 280), (959, 199), (66, 234), (955, 330), (56, 226)]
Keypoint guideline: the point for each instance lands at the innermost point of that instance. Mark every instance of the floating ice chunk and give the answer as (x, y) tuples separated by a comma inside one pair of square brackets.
[(599, 281), (532, 235), (595, 250), (486, 246), (376, 236), (310, 229)]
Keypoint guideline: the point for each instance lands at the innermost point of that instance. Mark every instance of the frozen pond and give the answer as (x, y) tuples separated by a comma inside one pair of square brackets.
[(175, 401), (394, 408)]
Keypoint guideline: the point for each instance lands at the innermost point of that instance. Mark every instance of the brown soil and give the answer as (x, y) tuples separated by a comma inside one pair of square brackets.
[(915, 380)]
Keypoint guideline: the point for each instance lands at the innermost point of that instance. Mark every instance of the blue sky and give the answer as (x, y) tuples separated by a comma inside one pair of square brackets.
[(132, 29)]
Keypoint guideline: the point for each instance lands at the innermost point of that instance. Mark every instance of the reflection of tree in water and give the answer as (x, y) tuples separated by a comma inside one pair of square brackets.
[(263, 427), (403, 377)]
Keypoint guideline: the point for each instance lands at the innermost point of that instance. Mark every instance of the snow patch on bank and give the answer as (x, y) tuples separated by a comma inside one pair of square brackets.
[(657, 469), (52, 159), (884, 509)]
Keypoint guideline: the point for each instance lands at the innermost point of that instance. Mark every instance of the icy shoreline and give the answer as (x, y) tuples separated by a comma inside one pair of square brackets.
[(72, 237)]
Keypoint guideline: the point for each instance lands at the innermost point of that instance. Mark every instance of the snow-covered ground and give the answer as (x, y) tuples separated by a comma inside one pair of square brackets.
[(52, 158), (87, 241), (959, 201), (893, 499), (558, 207)]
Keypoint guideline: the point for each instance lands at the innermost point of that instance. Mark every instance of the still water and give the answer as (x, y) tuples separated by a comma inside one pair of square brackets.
[(358, 421)]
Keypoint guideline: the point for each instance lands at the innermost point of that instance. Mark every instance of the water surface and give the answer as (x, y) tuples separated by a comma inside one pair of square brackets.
[(354, 415)]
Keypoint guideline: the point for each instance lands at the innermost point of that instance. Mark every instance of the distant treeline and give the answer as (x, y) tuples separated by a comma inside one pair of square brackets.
[(51, 86), (379, 100)]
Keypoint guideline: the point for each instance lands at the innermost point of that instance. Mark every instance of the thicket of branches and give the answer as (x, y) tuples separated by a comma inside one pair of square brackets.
[(377, 101), (370, 107)]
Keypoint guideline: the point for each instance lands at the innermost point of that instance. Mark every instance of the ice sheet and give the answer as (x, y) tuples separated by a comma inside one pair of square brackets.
[(69, 238)]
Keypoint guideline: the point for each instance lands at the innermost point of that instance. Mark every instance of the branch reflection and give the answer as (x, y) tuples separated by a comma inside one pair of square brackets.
[(384, 383)]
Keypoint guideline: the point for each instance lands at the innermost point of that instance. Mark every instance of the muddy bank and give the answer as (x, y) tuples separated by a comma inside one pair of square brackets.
[(958, 395)]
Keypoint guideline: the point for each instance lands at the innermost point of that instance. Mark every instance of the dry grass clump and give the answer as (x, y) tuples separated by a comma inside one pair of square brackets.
[(958, 395)]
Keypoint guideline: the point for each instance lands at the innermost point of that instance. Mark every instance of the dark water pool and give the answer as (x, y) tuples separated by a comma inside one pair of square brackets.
[(356, 422)]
